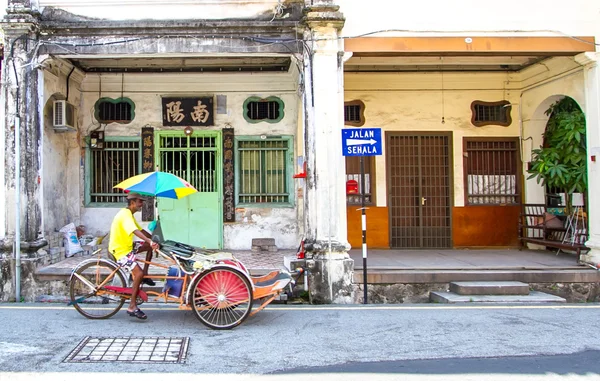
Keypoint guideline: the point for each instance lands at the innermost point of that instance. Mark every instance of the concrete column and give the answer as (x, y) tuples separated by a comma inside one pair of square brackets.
[(592, 118), (20, 90), (326, 241)]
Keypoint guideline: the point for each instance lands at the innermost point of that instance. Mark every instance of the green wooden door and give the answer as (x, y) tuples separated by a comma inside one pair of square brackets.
[(196, 219)]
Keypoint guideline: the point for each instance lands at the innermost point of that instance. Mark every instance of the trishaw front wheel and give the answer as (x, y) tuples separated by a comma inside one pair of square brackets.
[(221, 298), (100, 304)]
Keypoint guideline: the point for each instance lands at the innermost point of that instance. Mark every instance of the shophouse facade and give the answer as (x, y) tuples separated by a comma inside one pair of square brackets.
[(240, 96)]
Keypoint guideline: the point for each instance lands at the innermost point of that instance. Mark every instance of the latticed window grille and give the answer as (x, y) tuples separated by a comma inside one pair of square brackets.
[(353, 173), (263, 171), (352, 113), (118, 161), (263, 110), (486, 113), (115, 111), (492, 171)]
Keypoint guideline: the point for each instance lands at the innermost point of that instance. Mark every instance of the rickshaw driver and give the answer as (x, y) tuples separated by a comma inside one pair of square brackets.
[(123, 228)]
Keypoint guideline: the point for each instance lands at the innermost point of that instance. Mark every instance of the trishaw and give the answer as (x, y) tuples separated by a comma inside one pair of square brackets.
[(215, 285)]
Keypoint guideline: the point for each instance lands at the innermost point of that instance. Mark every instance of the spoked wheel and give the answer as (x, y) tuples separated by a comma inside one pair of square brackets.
[(222, 298), (91, 304)]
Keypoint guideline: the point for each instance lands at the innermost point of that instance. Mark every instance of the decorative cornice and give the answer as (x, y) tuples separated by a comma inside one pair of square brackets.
[(324, 16), (588, 58)]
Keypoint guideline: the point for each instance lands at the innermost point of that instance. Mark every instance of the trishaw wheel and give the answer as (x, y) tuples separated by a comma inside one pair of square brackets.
[(94, 305), (221, 298)]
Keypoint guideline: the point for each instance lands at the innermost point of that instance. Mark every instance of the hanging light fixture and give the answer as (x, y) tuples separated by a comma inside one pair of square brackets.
[(443, 106)]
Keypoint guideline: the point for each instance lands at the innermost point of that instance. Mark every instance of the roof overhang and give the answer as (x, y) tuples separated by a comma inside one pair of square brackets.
[(188, 63), (458, 53)]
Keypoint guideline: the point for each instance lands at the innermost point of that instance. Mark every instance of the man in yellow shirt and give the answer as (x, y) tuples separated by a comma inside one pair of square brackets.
[(122, 230)]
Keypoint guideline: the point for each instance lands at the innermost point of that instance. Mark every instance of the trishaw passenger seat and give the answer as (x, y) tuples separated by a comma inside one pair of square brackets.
[(178, 249)]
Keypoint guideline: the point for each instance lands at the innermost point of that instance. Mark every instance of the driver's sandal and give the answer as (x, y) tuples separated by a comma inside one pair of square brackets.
[(138, 314)]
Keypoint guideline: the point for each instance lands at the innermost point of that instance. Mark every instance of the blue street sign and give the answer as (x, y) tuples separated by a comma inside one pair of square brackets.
[(361, 141)]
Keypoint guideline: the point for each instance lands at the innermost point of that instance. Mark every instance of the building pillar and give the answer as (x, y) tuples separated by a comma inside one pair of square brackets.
[(330, 269), (21, 113), (591, 72)]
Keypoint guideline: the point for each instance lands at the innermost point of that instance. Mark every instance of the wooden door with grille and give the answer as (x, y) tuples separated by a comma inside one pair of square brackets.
[(419, 189)]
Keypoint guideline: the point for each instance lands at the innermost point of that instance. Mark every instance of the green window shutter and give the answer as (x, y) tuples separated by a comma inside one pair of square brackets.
[(264, 171)]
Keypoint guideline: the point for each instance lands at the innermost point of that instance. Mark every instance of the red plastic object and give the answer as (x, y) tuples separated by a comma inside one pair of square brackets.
[(301, 175), (351, 187), (127, 290), (300, 254)]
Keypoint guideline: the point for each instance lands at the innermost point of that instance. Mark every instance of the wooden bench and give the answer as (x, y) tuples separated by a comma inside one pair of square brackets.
[(535, 227)]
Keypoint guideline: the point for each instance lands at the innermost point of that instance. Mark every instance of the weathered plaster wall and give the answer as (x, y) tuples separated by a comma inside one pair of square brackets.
[(2, 146), (414, 102), (60, 150), (174, 10), (278, 223), (579, 18), (146, 90)]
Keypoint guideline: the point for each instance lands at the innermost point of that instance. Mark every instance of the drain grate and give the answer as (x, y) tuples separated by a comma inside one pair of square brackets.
[(171, 350)]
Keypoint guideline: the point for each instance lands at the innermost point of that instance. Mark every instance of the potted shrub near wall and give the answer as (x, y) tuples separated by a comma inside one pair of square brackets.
[(561, 163)]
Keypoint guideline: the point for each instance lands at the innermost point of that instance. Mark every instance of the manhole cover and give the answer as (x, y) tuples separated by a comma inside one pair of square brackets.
[(130, 349)]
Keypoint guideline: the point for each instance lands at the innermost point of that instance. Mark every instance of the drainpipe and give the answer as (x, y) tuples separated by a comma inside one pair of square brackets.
[(17, 244), (18, 208)]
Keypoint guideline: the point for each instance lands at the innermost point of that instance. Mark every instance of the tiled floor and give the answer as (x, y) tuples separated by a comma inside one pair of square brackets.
[(261, 262), (256, 262)]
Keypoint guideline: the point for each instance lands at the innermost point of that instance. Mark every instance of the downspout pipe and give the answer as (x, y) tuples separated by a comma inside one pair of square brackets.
[(17, 244), (18, 208)]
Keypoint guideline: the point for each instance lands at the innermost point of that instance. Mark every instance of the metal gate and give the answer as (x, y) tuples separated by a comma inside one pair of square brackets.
[(420, 189), (197, 218)]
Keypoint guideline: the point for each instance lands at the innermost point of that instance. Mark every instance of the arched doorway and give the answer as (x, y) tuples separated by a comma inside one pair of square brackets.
[(559, 162)]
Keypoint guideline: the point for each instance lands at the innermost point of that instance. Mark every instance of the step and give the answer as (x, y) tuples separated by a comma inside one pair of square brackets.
[(533, 297), (489, 288), (413, 276)]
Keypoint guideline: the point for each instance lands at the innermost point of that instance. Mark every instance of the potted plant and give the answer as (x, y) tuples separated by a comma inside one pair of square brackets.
[(561, 162)]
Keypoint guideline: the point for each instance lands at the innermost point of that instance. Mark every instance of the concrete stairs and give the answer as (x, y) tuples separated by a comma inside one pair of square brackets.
[(492, 292)]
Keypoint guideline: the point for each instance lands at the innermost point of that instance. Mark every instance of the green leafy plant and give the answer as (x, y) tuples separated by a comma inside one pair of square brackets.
[(561, 163)]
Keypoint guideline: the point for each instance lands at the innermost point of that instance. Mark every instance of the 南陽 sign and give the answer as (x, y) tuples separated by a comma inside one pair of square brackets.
[(188, 111)]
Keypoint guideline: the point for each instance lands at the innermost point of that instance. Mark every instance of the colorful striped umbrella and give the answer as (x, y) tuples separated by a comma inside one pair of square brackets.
[(158, 184)]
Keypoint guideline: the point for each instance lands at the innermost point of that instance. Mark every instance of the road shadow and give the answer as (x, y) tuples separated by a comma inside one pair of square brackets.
[(585, 362)]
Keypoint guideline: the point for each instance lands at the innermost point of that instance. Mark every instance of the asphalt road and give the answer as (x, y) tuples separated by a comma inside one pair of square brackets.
[(420, 342)]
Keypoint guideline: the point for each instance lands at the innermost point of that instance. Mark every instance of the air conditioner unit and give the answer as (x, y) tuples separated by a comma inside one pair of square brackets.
[(64, 116)]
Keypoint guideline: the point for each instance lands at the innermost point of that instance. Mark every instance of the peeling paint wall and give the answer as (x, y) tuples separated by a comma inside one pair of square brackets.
[(278, 223), (60, 155), (174, 10), (146, 90)]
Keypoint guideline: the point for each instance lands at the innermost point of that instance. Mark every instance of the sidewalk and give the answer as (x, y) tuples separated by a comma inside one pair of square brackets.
[(464, 259), (256, 262), (385, 260)]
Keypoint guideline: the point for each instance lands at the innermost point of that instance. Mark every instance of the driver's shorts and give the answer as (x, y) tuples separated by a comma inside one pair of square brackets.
[(128, 262)]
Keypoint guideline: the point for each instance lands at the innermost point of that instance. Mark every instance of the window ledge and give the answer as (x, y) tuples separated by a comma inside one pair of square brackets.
[(266, 205)]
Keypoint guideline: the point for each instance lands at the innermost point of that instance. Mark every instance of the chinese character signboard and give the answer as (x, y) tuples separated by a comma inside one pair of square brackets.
[(188, 111), (147, 166), (228, 176)]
